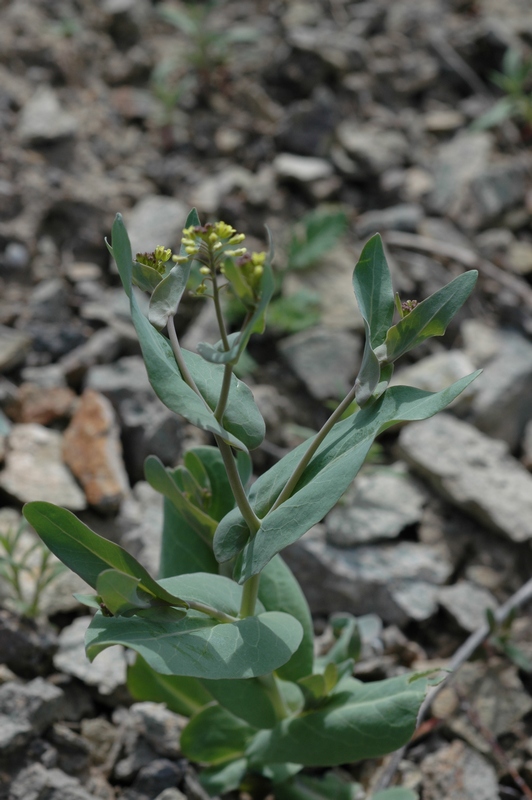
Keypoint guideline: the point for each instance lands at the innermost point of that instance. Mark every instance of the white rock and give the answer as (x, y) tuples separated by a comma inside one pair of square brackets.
[(34, 468), (301, 168), (474, 472)]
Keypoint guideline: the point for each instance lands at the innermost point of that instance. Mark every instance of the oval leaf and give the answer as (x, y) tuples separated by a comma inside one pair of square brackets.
[(374, 291)]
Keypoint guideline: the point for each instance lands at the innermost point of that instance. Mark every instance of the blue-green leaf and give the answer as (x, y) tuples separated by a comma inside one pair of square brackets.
[(180, 694), (87, 553), (428, 318), (120, 592), (359, 721), (224, 778), (280, 591), (326, 478), (215, 736), (249, 700), (374, 292), (167, 295), (198, 645)]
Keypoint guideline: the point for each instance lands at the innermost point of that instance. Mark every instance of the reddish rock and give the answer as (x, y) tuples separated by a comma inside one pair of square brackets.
[(92, 450), (41, 405)]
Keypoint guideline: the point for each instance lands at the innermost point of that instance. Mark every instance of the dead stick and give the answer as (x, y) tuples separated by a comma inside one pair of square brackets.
[(463, 654)]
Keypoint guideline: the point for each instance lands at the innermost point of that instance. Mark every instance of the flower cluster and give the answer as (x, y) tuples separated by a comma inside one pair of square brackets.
[(210, 243), (215, 247), (156, 260)]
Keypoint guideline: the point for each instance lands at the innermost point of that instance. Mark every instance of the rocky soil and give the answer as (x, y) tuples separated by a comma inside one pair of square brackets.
[(364, 106)]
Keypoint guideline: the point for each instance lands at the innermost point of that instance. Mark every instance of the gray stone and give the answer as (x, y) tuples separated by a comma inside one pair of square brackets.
[(103, 347), (141, 519), (37, 702), (48, 302), (37, 783), (457, 771), (107, 672), (209, 193), (373, 149), (379, 505), (493, 243), (403, 217), (467, 604), (328, 280), (160, 727), (499, 188), (307, 126), (14, 734), (474, 472), (43, 120), (156, 220), (456, 164), (171, 794), (501, 406), (369, 579), (122, 380), (149, 428), (14, 347), (481, 342), (519, 258), (527, 446), (34, 468), (49, 376), (16, 256), (325, 360), (301, 168), (436, 372), (111, 306), (338, 48)]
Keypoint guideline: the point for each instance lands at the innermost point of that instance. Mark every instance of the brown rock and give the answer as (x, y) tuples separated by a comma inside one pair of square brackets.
[(92, 450), (42, 405)]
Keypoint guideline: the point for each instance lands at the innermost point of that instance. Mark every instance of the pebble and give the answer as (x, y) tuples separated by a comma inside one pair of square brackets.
[(380, 579), (460, 462), (35, 782), (102, 347), (373, 149), (48, 302), (325, 360), (436, 372), (330, 281), (93, 451), (44, 120), (14, 347), (26, 647), (301, 168), (156, 220), (454, 165), (379, 505), (121, 380), (107, 672), (149, 428), (160, 727), (519, 258), (141, 520), (34, 468), (38, 702), (501, 405), (42, 405), (458, 771), (402, 217), (467, 604)]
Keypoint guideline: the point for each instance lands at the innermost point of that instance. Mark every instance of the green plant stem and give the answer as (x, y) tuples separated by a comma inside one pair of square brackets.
[(224, 393), (250, 591), (239, 493), (221, 616), (270, 684), (308, 455), (218, 309), (187, 377)]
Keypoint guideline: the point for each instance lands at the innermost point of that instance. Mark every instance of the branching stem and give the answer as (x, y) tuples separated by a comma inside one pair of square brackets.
[(311, 451)]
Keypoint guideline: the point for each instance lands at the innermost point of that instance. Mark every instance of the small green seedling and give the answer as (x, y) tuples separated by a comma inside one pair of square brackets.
[(515, 80), (26, 568), (224, 635)]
